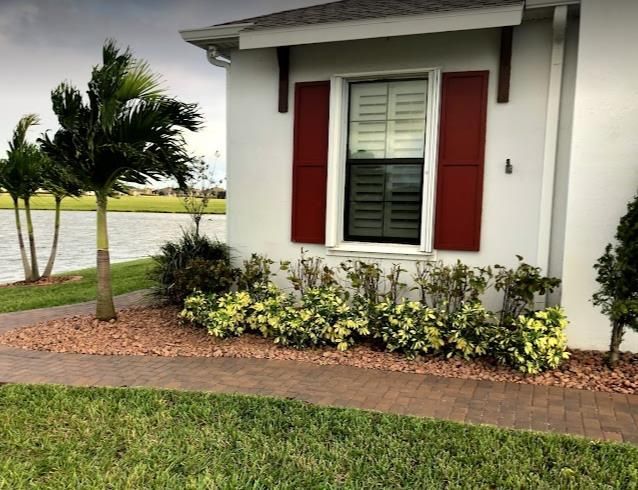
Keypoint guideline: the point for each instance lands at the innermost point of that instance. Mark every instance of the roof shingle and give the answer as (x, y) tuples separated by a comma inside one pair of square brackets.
[(350, 10)]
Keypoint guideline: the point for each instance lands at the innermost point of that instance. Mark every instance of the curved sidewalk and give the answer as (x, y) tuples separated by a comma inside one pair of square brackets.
[(590, 414)]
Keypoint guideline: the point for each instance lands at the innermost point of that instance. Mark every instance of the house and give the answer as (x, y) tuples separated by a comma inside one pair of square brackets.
[(404, 130), (165, 191)]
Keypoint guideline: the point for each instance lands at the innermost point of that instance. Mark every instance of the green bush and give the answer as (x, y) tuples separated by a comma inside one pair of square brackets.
[(448, 319), (323, 317), (193, 262), (223, 316), (617, 274), (255, 275), (308, 272), (520, 287), (535, 342), (448, 287), (409, 327), (469, 331)]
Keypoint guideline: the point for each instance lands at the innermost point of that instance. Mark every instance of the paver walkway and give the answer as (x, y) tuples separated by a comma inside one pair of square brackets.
[(590, 414)]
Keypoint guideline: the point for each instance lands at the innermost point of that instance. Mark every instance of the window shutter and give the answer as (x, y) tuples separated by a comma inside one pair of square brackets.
[(310, 161), (461, 160)]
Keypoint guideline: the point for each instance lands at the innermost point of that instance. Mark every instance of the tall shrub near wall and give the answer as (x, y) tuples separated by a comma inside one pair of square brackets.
[(617, 272)]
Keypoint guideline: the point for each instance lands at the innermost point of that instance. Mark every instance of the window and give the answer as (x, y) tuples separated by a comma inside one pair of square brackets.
[(385, 161)]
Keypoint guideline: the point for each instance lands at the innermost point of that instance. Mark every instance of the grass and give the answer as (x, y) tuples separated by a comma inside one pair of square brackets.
[(56, 437), (127, 276), (147, 204)]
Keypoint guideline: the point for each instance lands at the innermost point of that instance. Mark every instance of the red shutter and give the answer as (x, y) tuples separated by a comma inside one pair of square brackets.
[(461, 159), (310, 162)]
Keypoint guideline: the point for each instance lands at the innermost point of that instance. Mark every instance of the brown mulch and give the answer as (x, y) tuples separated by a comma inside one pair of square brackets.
[(158, 332), (48, 281)]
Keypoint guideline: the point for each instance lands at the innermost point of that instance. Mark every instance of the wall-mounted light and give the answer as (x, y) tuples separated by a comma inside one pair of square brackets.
[(508, 166)]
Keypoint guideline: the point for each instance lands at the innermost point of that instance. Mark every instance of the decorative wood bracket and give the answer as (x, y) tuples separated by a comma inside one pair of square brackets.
[(505, 65), (283, 57)]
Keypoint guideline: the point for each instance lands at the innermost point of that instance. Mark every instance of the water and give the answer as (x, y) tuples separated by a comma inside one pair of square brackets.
[(131, 236)]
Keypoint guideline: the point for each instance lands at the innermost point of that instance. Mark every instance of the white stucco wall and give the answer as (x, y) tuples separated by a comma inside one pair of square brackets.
[(260, 139), (604, 157)]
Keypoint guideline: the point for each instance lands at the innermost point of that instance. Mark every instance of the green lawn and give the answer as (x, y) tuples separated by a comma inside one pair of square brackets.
[(149, 204), (55, 437), (127, 276)]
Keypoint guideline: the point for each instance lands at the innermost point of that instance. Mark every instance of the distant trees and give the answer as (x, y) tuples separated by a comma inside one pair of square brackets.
[(126, 131)]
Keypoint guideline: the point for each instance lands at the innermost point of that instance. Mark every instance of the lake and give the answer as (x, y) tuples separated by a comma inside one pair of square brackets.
[(131, 236)]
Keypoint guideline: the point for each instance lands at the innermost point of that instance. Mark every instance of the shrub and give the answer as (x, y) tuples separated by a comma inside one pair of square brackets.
[(617, 274), (223, 316), (365, 280), (327, 309), (450, 318), (193, 262), (211, 276), (520, 286), (410, 327), (308, 273), (255, 275), (470, 331), (271, 309), (448, 287), (323, 317), (535, 342)]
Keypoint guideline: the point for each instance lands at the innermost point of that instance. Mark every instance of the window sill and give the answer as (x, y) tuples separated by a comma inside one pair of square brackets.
[(391, 251)]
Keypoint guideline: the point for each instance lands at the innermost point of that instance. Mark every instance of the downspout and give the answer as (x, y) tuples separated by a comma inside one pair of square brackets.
[(551, 138), (214, 57)]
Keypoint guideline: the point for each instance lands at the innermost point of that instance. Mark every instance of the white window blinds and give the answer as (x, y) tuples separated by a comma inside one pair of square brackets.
[(387, 119)]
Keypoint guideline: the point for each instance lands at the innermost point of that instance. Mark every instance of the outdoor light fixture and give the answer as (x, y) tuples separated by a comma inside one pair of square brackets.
[(508, 166)]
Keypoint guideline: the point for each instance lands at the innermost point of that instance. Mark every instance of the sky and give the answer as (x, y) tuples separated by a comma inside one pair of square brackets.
[(45, 42)]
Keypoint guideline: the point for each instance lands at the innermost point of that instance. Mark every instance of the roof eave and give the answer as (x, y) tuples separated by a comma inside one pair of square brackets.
[(224, 37)]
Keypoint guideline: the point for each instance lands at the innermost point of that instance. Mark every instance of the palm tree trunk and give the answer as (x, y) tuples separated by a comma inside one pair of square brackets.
[(56, 234), (23, 251), (35, 272), (105, 310)]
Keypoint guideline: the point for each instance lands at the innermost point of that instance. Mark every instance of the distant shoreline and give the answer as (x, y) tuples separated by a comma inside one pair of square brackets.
[(128, 204)]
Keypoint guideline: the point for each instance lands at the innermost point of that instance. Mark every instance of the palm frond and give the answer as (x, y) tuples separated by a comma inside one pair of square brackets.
[(140, 82), (67, 104), (20, 132), (127, 131)]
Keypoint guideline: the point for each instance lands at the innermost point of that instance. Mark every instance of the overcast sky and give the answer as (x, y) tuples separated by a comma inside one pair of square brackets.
[(44, 42)]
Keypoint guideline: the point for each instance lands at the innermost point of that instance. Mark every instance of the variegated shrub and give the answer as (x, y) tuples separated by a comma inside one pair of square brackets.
[(535, 342)]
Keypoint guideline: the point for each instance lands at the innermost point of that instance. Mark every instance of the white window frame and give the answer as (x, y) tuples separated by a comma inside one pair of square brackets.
[(337, 145)]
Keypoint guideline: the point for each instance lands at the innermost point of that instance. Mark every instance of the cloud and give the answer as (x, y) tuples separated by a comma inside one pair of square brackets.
[(44, 42)]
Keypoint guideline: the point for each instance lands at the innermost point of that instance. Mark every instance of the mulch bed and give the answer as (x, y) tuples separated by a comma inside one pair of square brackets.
[(49, 281), (158, 332)]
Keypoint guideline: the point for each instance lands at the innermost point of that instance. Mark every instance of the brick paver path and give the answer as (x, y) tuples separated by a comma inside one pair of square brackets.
[(590, 414)]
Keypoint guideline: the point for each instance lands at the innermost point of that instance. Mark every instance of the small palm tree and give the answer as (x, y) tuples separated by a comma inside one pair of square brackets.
[(128, 131), (21, 176), (61, 184)]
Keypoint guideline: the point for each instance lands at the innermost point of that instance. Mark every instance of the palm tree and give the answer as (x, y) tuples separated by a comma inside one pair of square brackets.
[(61, 184), (128, 131), (21, 176)]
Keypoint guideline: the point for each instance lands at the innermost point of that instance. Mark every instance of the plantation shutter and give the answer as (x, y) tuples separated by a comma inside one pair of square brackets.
[(385, 160), (385, 200), (461, 161), (310, 161)]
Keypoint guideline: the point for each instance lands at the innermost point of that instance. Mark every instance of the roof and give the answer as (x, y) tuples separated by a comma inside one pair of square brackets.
[(347, 20), (352, 10)]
